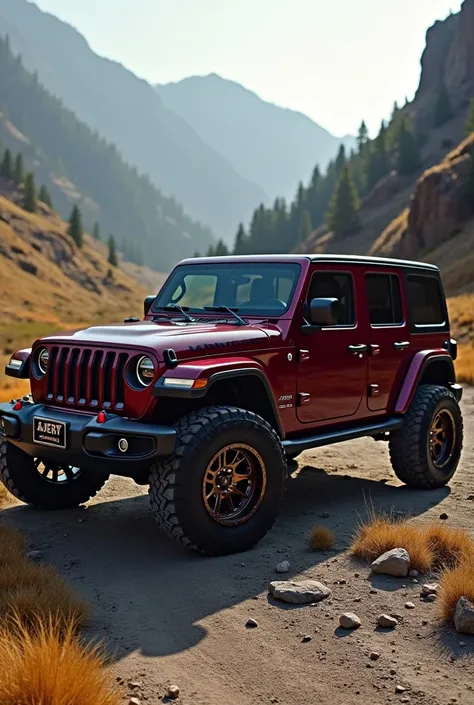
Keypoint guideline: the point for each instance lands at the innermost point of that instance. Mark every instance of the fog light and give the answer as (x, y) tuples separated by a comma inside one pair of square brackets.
[(123, 445)]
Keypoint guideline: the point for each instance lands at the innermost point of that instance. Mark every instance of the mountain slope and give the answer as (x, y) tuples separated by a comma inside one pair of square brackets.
[(273, 146), (128, 112), (78, 167)]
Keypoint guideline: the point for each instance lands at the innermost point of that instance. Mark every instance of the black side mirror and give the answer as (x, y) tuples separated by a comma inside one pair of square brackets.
[(321, 313), (147, 303)]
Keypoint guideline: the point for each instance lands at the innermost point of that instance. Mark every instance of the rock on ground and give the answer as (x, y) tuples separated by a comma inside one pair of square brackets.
[(429, 589), (464, 616), (349, 620), (299, 592), (172, 692), (283, 567), (395, 562), (385, 620)]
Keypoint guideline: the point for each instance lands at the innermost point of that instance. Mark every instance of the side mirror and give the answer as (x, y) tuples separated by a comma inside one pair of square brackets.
[(147, 303), (323, 312)]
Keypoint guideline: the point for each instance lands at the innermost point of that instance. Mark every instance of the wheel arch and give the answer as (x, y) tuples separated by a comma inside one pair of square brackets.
[(427, 367)]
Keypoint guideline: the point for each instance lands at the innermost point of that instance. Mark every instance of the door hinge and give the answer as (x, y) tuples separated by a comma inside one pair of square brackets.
[(373, 390), (303, 398)]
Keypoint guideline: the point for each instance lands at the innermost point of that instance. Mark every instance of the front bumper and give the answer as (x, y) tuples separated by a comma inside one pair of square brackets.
[(89, 444)]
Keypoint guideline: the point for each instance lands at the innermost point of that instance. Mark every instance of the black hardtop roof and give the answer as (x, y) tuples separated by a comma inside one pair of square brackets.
[(326, 259)]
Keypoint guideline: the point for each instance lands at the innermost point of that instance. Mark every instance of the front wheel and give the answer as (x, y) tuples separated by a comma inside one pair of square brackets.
[(46, 485), (222, 489), (425, 451)]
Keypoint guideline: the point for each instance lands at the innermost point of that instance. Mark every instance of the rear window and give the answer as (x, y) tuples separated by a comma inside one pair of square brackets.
[(425, 300), (384, 299)]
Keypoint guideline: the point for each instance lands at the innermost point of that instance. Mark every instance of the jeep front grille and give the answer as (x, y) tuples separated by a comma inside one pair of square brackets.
[(86, 377)]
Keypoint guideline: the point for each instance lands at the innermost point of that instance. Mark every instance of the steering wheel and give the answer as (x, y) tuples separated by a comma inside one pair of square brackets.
[(274, 303)]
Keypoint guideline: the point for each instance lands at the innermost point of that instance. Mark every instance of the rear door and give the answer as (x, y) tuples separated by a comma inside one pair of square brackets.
[(332, 362), (388, 335)]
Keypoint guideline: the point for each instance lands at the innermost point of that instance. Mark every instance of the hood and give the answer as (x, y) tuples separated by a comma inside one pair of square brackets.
[(187, 339)]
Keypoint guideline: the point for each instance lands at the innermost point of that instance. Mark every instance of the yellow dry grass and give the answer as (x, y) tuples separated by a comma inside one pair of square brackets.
[(436, 546), (455, 583), (12, 546), (321, 538), (49, 666), (465, 364)]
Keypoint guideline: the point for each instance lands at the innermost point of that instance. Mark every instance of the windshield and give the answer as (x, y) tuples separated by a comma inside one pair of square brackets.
[(251, 288)]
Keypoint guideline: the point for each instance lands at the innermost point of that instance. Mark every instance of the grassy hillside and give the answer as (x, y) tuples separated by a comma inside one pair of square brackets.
[(47, 284), (79, 167)]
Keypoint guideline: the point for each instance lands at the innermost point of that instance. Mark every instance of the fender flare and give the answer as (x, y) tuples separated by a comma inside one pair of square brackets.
[(421, 361)]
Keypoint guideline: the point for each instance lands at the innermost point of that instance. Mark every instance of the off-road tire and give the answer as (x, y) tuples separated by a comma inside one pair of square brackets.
[(409, 446), (22, 479), (176, 482)]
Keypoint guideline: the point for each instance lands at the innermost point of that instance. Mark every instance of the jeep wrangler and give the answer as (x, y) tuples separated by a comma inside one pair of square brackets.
[(239, 365)]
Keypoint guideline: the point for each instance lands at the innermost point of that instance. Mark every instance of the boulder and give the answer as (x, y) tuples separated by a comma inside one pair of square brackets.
[(395, 562), (464, 616), (299, 592)]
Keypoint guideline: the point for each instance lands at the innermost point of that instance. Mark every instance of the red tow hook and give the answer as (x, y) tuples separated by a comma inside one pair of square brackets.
[(101, 417), (18, 406)]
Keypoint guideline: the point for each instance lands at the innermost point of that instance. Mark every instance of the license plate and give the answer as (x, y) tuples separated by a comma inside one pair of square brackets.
[(49, 433)]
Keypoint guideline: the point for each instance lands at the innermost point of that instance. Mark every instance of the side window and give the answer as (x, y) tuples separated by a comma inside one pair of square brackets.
[(384, 299), (425, 300), (335, 285)]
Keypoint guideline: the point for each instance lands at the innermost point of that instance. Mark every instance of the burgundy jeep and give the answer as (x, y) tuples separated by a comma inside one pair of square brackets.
[(240, 364)]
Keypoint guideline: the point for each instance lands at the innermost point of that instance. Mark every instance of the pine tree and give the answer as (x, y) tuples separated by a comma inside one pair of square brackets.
[(96, 231), (18, 174), (112, 258), (239, 245), (340, 159), (29, 195), (408, 155), (75, 226), (306, 228), (196, 254), (470, 119), (443, 110), (343, 215), (210, 251), (221, 249), (7, 170), (363, 136), (44, 197)]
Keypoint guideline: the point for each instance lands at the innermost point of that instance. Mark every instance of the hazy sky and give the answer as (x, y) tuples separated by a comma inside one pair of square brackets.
[(336, 60)]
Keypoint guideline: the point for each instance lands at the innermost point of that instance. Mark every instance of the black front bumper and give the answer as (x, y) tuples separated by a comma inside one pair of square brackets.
[(89, 444)]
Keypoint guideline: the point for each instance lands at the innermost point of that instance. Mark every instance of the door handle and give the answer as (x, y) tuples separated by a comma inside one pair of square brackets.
[(357, 349), (402, 345)]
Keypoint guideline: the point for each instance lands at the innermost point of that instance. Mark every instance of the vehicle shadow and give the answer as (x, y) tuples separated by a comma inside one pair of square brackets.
[(150, 595)]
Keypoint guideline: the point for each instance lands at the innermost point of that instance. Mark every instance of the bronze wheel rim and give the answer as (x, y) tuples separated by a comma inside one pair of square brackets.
[(234, 484), (54, 473), (442, 441)]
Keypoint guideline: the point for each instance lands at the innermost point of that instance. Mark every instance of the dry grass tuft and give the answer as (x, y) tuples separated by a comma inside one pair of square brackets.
[(12, 545), (455, 583), (321, 538), (49, 665), (465, 363), (34, 594), (449, 546), (4, 495), (385, 533)]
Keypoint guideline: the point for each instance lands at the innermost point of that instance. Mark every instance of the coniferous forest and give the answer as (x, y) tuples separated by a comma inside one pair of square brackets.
[(332, 198), (125, 202)]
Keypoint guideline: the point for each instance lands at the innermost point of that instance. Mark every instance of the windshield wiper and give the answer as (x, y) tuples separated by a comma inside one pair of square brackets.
[(227, 309), (175, 307)]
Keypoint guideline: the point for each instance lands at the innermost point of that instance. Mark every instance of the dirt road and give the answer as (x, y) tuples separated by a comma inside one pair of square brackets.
[(173, 617)]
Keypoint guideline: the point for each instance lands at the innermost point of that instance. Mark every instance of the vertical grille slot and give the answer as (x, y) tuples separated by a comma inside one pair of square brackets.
[(95, 375), (107, 391), (83, 376), (51, 373), (119, 381), (60, 381), (72, 373)]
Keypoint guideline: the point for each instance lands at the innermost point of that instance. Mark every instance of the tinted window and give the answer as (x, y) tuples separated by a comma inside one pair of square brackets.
[(425, 300), (384, 299), (335, 285), (253, 288)]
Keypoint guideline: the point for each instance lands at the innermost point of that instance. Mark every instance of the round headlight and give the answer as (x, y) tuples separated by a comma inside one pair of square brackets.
[(43, 359), (145, 371)]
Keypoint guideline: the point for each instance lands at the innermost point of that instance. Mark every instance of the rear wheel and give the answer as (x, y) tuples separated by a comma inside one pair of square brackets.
[(222, 489), (46, 485), (425, 452)]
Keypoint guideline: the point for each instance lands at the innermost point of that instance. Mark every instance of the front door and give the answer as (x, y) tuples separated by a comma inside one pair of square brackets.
[(388, 336), (332, 367)]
